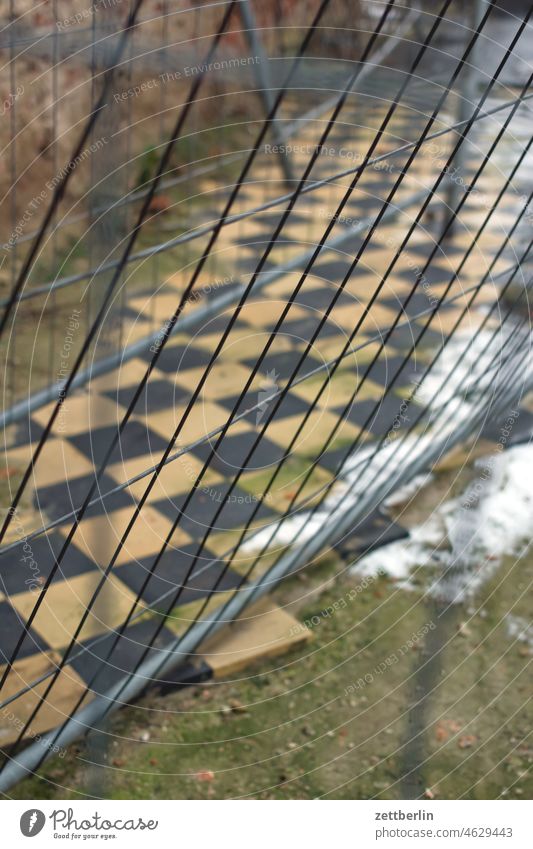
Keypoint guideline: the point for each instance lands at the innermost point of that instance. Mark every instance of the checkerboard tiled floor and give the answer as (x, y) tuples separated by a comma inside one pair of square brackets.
[(67, 466)]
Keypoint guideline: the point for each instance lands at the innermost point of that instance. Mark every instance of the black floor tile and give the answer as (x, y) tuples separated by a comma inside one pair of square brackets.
[(135, 441), (331, 460), (26, 431), (370, 532), (11, 630), (279, 367), (213, 507), (179, 358), (30, 563), (157, 395), (291, 405), (418, 303), (322, 298), (233, 451), (385, 368), (433, 274), (333, 270), (92, 661), (379, 417), (171, 578), (63, 498), (302, 330)]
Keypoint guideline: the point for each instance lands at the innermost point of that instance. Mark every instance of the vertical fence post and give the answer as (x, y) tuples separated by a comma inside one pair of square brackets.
[(468, 82), (264, 81), (108, 178), (108, 228)]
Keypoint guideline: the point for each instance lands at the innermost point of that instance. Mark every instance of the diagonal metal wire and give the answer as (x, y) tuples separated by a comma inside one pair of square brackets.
[(117, 275), (60, 189), (175, 599), (162, 165), (219, 346), (502, 377)]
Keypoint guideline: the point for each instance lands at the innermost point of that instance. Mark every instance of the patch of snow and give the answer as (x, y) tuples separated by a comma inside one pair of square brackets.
[(364, 469), (519, 628), (465, 385), (469, 370), (492, 518), (404, 493)]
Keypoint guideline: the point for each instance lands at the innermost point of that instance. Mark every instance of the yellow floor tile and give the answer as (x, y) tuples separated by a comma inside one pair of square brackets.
[(183, 616), (175, 478), (445, 320), (339, 389), (261, 313), (346, 318), (59, 461), (61, 700), (157, 307), (361, 286), (224, 380), (129, 374), (65, 602), (287, 483), (81, 413), (250, 344), (314, 433), (202, 419), (243, 563), (98, 537), (329, 348)]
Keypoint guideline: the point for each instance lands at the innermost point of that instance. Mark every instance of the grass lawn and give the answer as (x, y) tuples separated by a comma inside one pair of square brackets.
[(443, 711)]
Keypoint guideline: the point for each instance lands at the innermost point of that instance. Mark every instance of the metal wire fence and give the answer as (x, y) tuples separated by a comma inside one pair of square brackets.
[(259, 273)]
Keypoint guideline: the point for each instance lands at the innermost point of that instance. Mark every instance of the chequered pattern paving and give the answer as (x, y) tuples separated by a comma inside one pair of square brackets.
[(90, 418)]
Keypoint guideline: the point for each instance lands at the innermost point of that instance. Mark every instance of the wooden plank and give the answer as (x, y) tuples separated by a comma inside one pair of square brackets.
[(266, 631)]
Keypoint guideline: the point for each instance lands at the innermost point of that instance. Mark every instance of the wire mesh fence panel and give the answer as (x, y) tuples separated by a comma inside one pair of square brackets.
[(262, 267)]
